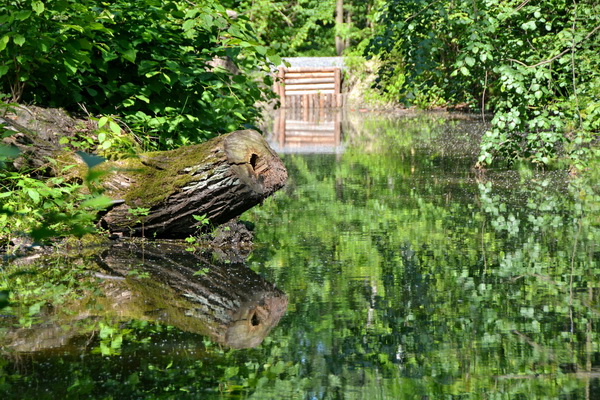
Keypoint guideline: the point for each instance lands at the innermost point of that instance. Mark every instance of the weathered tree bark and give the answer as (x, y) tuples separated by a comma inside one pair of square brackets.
[(227, 302), (219, 179), (339, 20)]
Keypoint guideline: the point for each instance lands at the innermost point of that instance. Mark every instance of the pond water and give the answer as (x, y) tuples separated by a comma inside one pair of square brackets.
[(389, 269)]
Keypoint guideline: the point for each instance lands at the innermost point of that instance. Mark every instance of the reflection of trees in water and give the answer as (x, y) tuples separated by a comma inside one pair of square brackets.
[(432, 277)]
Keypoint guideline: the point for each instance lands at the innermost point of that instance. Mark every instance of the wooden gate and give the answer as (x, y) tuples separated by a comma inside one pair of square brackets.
[(303, 87)]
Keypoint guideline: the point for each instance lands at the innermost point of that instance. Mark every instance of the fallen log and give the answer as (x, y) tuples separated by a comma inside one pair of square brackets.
[(158, 194), (219, 179)]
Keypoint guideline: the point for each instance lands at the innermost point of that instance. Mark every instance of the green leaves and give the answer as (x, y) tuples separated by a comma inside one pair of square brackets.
[(529, 26), (19, 39), (149, 61), (501, 56), (4, 41), (38, 7)]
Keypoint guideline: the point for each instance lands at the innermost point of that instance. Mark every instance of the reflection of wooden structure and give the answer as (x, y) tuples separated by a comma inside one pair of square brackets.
[(309, 87), (307, 130)]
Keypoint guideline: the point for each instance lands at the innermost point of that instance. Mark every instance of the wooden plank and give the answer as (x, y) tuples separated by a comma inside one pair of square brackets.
[(305, 105), (310, 138), (338, 128), (316, 139), (307, 128), (295, 133), (298, 136), (299, 92), (304, 122), (297, 75), (282, 126), (338, 87), (313, 131), (308, 81), (311, 69), (281, 92), (314, 87)]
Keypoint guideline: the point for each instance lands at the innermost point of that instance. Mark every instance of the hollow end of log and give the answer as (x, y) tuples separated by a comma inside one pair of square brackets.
[(253, 322)]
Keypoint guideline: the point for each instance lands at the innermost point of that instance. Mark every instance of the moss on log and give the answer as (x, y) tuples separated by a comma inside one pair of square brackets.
[(219, 179)]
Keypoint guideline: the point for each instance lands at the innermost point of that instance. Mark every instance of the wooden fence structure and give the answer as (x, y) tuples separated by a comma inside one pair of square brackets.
[(303, 87)]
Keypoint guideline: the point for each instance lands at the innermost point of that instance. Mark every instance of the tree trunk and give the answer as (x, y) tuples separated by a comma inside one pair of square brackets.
[(219, 180), (339, 21), (158, 194), (348, 24)]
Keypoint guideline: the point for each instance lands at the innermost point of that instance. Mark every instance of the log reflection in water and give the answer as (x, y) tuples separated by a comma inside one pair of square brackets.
[(228, 302)]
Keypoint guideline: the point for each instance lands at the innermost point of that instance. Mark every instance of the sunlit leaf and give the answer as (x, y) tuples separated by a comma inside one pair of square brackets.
[(38, 7), (19, 39), (98, 202)]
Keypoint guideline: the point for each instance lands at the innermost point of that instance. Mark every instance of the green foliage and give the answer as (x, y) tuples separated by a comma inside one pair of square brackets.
[(111, 339), (136, 215), (306, 27), (200, 240), (292, 28), (202, 219), (42, 210), (149, 61), (535, 68)]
